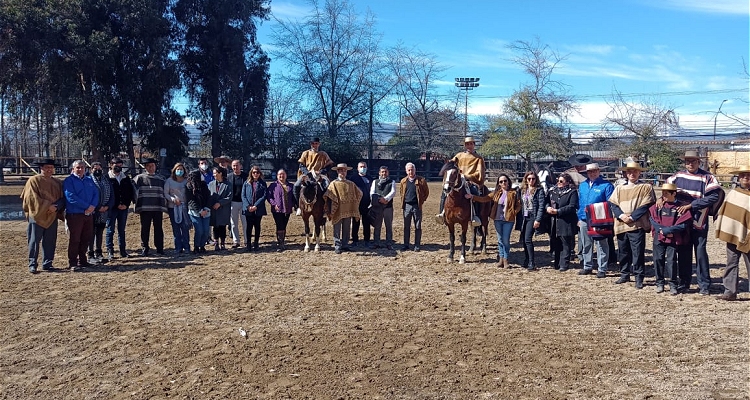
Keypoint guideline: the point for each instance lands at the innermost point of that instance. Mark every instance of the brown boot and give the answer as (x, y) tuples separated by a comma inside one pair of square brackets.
[(507, 263), (501, 262)]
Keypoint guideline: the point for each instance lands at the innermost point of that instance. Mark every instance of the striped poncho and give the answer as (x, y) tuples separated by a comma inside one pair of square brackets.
[(733, 220), (630, 198)]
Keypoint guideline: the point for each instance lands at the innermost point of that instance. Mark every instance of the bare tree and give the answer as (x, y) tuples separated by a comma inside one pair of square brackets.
[(535, 115), (426, 123), (334, 57), (640, 129)]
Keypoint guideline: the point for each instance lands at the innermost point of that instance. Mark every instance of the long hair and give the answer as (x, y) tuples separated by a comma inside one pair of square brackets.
[(178, 165), (525, 183), (497, 181), (250, 178), (193, 180)]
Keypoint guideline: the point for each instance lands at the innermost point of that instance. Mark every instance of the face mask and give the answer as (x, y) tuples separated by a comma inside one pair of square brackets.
[(179, 172), (117, 169), (204, 167), (363, 170), (98, 173)]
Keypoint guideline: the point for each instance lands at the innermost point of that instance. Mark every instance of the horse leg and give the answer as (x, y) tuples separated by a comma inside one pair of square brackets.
[(323, 230), (307, 235), (317, 237), (451, 248), (462, 259), (484, 231)]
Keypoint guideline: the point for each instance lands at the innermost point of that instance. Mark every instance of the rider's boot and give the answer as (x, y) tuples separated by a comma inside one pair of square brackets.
[(439, 218)]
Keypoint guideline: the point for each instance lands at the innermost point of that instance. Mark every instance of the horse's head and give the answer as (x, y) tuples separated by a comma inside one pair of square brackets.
[(452, 178), (309, 190)]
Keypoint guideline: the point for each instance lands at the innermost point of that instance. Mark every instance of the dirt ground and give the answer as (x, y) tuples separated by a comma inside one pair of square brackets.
[(360, 325)]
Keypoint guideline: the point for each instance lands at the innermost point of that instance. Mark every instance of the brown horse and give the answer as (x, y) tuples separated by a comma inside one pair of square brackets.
[(481, 230), (457, 209), (312, 205)]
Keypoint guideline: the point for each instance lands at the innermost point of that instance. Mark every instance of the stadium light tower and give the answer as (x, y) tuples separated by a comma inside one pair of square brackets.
[(717, 116), (466, 84)]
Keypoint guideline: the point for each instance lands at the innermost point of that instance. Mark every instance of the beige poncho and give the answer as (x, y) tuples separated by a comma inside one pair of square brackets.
[(344, 196), (38, 194)]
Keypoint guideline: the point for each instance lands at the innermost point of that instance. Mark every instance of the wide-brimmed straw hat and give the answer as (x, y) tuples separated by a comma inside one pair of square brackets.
[(743, 170), (342, 166), (691, 154), (632, 165), (669, 186), (578, 160), (592, 167), (222, 159), (469, 139)]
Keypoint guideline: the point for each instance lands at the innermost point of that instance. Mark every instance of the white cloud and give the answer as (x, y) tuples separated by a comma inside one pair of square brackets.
[(735, 7), (283, 11)]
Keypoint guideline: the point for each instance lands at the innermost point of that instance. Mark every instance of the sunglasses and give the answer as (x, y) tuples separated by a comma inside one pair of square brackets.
[(531, 178), (562, 181), (503, 181), (256, 172)]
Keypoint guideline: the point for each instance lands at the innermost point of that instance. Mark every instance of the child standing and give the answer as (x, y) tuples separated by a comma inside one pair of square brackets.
[(671, 232)]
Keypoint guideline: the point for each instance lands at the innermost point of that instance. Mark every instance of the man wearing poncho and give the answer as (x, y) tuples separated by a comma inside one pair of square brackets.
[(630, 203), (42, 199), (342, 204), (733, 227)]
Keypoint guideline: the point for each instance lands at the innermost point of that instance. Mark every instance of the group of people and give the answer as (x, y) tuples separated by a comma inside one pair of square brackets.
[(213, 202), (600, 214)]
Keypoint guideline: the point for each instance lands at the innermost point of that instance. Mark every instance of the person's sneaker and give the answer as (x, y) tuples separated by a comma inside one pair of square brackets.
[(659, 288), (531, 268), (563, 269), (74, 268), (33, 270), (235, 245), (299, 212), (622, 279), (110, 255), (584, 272), (601, 274), (673, 291), (728, 297), (337, 251), (124, 254), (704, 292)]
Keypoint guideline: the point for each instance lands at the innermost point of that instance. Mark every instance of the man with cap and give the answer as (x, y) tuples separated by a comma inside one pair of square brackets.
[(42, 200), (81, 199), (594, 189), (630, 205), (732, 227), (151, 206), (341, 205), (472, 166), (705, 193), (124, 194), (312, 164)]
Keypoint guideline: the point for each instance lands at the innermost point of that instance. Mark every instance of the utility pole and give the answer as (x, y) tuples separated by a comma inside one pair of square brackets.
[(466, 84)]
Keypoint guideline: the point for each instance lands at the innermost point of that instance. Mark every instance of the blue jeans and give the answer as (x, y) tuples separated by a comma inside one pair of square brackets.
[(119, 217), (588, 243), (181, 233), (503, 230), (201, 231)]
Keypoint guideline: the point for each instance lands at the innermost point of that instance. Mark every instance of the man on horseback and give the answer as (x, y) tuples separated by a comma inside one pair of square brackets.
[(471, 165), (312, 164)]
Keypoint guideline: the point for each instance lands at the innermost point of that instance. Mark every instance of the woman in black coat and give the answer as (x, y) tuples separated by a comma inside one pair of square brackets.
[(532, 212), (562, 204)]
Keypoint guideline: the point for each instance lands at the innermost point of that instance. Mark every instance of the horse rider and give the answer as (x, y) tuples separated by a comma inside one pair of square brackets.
[(312, 164), (471, 165)]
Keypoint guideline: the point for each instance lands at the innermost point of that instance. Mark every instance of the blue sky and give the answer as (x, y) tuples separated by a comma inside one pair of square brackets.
[(686, 54)]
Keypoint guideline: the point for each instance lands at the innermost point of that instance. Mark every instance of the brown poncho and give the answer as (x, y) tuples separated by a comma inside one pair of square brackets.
[(38, 194), (344, 197)]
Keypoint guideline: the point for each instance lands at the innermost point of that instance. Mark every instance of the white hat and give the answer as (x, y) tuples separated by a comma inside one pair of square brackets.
[(592, 167)]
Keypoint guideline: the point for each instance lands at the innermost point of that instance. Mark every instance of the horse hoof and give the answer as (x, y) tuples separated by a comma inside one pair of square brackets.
[(461, 260), (307, 249)]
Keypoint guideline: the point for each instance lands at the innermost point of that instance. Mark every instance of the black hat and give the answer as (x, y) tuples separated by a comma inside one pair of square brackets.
[(149, 160), (578, 160), (47, 161), (315, 140)]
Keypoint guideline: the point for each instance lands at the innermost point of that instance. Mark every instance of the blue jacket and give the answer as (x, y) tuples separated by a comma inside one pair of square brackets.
[(80, 194), (259, 197), (600, 191)]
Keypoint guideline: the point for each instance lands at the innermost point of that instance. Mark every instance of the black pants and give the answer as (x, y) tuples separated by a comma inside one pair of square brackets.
[(220, 233), (365, 221), (527, 238), (252, 228), (154, 218), (281, 220), (631, 256)]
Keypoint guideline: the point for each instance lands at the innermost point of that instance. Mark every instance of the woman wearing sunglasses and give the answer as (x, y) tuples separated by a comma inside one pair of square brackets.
[(505, 206), (253, 206), (532, 200), (562, 205)]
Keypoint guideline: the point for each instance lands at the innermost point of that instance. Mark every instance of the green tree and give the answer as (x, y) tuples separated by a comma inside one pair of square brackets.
[(224, 68)]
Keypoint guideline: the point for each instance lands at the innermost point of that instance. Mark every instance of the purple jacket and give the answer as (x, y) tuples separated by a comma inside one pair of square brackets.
[(275, 197)]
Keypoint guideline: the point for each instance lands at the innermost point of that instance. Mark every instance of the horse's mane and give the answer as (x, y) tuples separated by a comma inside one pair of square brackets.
[(450, 164)]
